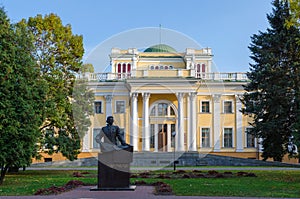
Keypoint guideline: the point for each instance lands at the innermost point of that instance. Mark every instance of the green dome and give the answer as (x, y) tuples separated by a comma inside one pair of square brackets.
[(160, 48)]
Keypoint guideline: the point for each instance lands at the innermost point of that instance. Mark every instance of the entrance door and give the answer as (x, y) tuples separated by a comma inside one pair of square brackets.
[(162, 137), (162, 123)]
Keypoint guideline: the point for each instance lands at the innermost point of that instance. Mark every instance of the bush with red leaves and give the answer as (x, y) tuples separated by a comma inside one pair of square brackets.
[(186, 176), (212, 172), (179, 171), (57, 190), (140, 182), (77, 174)]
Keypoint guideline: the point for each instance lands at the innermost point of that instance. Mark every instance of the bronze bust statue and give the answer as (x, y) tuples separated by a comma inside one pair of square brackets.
[(110, 134)]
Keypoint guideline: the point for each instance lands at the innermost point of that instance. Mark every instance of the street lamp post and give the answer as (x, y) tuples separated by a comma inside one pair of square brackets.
[(174, 162)]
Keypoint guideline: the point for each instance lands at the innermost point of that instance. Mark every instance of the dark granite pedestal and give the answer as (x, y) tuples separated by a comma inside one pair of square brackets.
[(114, 171)]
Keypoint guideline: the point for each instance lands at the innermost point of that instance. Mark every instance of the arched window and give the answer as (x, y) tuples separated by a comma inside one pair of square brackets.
[(128, 68), (198, 68), (162, 109), (124, 68), (172, 112), (203, 68), (153, 112), (119, 68)]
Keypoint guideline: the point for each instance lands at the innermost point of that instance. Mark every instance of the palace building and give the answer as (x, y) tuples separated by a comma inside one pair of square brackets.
[(158, 92)]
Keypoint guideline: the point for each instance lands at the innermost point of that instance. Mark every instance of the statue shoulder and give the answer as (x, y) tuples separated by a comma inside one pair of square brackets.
[(117, 128)]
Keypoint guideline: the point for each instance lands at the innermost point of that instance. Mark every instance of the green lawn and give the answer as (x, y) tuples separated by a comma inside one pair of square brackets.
[(28, 182), (266, 184)]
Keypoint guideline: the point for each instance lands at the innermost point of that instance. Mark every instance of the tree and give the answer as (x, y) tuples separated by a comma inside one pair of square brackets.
[(21, 92), (82, 104), (87, 68), (59, 55), (294, 18), (272, 96)]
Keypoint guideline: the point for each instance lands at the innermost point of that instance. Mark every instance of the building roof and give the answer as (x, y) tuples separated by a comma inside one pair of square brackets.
[(161, 48)]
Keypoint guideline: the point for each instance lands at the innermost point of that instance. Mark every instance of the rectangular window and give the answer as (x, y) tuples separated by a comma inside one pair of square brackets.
[(162, 109), (96, 145), (228, 107), (250, 139), (205, 107), (152, 135), (205, 135), (228, 137), (98, 107), (172, 136), (120, 106)]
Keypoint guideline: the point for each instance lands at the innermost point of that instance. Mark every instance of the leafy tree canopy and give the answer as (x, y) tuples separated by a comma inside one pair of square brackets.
[(87, 68), (59, 53), (294, 18), (22, 93)]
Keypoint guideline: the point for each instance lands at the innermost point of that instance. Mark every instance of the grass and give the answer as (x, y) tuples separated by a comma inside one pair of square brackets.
[(267, 184), (251, 187), (28, 182)]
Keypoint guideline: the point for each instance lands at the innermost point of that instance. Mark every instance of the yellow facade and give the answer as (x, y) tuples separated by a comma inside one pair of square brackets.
[(165, 91)]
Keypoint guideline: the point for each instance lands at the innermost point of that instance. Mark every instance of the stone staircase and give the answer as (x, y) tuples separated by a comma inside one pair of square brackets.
[(163, 159), (166, 159)]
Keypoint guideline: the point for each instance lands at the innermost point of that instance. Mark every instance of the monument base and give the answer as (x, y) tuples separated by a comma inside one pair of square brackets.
[(114, 171), (130, 188)]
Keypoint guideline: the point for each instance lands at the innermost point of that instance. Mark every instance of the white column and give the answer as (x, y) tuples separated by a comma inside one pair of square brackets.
[(134, 61), (134, 122), (146, 126), (108, 100), (217, 122), (180, 123), (193, 123), (188, 122), (169, 138), (239, 125)]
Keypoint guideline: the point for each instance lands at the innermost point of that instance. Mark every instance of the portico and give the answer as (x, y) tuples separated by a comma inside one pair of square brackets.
[(164, 109)]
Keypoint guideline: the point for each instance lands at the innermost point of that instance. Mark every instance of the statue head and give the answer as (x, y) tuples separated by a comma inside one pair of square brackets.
[(110, 120)]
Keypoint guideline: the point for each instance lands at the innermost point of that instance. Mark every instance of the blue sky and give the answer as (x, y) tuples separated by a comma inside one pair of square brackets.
[(223, 25)]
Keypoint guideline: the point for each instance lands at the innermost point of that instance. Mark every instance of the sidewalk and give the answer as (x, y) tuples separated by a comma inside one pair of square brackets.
[(141, 192), (238, 168)]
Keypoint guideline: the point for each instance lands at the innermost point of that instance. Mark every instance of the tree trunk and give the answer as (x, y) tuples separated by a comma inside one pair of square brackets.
[(3, 173)]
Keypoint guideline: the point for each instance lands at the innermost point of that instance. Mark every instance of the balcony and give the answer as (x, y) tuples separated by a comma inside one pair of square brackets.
[(102, 77)]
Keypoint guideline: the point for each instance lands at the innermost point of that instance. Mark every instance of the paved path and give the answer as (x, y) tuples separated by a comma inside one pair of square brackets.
[(141, 192), (171, 168)]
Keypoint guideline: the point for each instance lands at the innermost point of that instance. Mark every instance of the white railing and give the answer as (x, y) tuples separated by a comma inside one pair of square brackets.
[(105, 76), (223, 76), (205, 76)]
